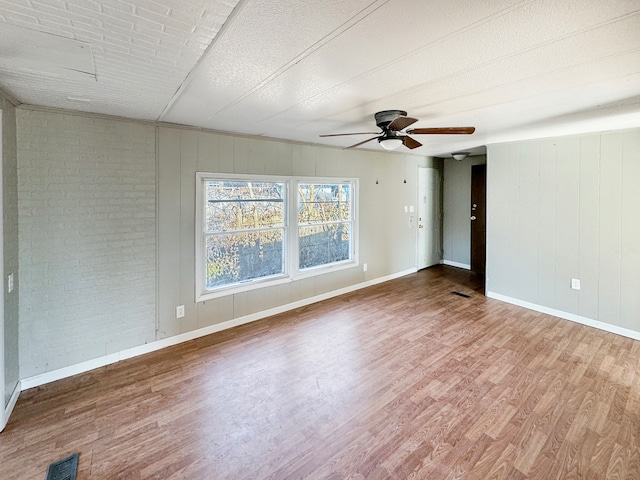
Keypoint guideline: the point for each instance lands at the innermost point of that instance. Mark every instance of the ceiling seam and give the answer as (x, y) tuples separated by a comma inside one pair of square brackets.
[(527, 50), (221, 33), (470, 69), (335, 33), (412, 52), (538, 76)]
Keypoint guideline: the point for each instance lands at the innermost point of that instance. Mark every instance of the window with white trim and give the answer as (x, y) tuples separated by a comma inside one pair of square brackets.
[(325, 223), (254, 231)]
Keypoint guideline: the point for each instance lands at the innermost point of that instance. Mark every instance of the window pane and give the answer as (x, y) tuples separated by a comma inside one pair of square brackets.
[(323, 244), (322, 203), (237, 257), (243, 205)]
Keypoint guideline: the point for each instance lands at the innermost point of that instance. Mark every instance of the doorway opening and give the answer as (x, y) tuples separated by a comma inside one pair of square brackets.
[(478, 218), (429, 233)]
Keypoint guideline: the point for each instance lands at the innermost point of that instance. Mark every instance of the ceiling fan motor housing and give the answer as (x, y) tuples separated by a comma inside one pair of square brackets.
[(385, 117)]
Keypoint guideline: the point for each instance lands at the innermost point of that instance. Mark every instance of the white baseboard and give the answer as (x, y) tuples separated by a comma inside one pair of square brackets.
[(607, 327), (455, 264), (82, 367), (9, 408)]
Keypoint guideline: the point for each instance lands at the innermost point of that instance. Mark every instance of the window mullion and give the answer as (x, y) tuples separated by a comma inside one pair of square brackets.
[(231, 258), (293, 228)]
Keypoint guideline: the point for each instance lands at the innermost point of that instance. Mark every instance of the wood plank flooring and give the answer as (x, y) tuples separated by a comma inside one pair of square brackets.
[(400, 380)]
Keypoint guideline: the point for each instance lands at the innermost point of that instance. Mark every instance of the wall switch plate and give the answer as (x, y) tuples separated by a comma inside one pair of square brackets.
[(575, 283), (406, 209), (364, 267), (180, 311), (10, 283), (411, 209)]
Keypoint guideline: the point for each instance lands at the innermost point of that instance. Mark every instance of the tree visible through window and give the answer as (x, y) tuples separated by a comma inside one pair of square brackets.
[(256, 231), (245, 225), (324, 223)]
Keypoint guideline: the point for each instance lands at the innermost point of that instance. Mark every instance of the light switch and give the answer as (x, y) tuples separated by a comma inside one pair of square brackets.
[(575, 283)]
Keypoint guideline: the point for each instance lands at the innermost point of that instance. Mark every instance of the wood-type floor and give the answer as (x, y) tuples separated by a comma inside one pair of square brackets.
[(399, 380)]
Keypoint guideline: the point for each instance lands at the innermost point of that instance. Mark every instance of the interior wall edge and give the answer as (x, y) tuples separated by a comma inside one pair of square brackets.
[(10, 98), (607, 327), (451, 263), (9, 408), (178, 126), (71, 370)]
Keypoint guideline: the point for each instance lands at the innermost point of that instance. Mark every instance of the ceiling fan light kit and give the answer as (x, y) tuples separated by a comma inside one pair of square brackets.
[(459, 156), (390, 143), (394, 132)]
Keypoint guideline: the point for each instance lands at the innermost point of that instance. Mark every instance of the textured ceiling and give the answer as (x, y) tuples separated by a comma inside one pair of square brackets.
[(294, 69)]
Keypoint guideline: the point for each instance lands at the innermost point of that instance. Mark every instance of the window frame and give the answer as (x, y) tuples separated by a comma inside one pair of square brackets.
[(295, 244), (291, 268), (202, 293)]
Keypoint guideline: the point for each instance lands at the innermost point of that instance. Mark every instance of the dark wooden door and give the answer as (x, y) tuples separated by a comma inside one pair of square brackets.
[(477, 218)]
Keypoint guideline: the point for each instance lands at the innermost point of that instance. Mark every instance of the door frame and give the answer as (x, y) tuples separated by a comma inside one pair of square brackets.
[(438, 198)]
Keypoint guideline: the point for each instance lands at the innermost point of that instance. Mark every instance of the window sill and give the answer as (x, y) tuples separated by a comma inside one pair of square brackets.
[(322, 269), (243, 287), (280, 280)]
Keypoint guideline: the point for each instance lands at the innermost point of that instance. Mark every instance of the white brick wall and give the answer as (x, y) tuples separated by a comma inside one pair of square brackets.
[(87, 192), (10, 207), (150, 44)]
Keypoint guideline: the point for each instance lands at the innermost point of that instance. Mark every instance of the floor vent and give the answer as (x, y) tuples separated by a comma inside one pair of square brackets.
[(64, 469), (461, 294)]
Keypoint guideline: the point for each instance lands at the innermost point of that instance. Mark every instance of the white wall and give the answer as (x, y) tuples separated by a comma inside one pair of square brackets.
[(94, 265), (107, 210), (387, 243), (87, 219), (563, 208), (457, 210)]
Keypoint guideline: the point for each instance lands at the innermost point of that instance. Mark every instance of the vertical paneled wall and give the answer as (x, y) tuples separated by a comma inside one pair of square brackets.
[(107, 233), (457, 210), (563, 208), (87, 218), (386, 240), (10, 244)]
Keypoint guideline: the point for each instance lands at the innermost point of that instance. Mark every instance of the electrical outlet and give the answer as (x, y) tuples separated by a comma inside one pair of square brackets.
[(180, 311), (364, 267), (575, 283)]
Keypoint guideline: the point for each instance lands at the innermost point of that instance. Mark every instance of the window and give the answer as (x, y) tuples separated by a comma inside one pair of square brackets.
[(324, 224), (254, 231), (244, 231)]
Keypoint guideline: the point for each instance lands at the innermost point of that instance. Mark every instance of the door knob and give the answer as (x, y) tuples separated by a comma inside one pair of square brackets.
[(473, 217), (420, 226)]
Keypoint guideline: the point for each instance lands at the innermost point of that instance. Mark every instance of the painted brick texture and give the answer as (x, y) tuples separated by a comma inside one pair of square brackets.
[(10, 231), (86, 200), (149, 45)]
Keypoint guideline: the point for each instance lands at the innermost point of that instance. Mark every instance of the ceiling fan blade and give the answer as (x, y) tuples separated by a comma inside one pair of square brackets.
[(361, 143), (343, 134), (443, 131), (411, 143), (401, 123)]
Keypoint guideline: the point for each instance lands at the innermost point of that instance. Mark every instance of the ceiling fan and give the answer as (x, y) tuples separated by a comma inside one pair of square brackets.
[(393, 124)]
